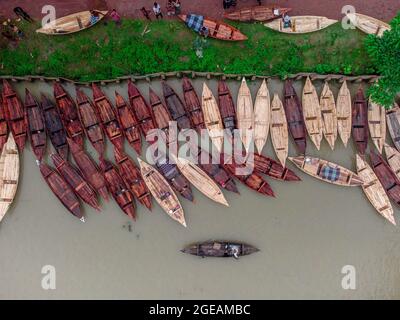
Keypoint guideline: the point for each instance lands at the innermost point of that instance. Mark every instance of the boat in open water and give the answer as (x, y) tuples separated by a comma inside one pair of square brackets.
[(222, 249)]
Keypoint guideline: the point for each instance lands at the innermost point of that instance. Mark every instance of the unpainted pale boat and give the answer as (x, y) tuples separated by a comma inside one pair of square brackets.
[(312, 113), (273, 169), (360, 121), (193, 105), (162, 117), (220, 249), (329, 117), (262, 116), (162, 192), (368, 24), (393, 158), (226, 106), (327, 171), (279, 130), (301, 24), (70, 24), (212, 118), (374, 190), (257, 13), (343, 111), (393, 123), (377, 124), (3, 124), (245, 115), (9, 175)]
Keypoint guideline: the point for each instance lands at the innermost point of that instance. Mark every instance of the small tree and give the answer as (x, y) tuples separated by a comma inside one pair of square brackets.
[(385, 54)]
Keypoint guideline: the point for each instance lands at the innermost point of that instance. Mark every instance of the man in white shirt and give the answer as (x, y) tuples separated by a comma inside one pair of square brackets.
[(157, 10)]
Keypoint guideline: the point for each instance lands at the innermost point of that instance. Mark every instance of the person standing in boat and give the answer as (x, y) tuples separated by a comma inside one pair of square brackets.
[(157, 10), (287, 21)]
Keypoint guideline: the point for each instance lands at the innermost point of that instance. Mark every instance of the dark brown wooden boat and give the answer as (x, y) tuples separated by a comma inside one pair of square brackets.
[(386, 176), (193, 105), (221, 249), (226, 106), (69, 114), (118, 189), (359, 124), (88, 168), (3, 124), (15, 115), (133, 178), (62, 190), (294, 117), (36, 125), (90, 122), (257, 13), (74, 178), (272, 168), (393, 124), (129, 123), (108, 118), (176, 107), (161, 113)]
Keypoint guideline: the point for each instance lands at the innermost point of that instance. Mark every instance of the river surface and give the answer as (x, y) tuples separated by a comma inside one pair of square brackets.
[(307, 235)]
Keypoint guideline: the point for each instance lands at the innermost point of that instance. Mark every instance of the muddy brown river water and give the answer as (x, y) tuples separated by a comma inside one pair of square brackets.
[(308, 235)]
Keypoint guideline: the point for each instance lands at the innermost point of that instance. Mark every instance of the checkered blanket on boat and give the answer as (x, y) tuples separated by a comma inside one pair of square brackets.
[(330, 174), (195, 22)]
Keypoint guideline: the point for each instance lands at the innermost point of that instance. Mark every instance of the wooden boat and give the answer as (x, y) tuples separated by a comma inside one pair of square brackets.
[(118, 189), (270, 167), (279, 130), (88, 168), (201, 180), (212, 118), (343, 110), (162, 117), (108, 118), (329, 117), (262, 116), (368, 24), (129, 123), (36, 125), (175, 107), (75, 180), (3, 124), (377, 124), (226, 106), (15, 115), (360, 121), (386, 176), (62, 190), (54, 127), (69, 114), (130, 173), (245, 115), (393, 123), (193, 105), (9, 175), (393, 158), (257, 13), (70, 24), (301, 24), (220, 249), (312, 113), (294, 117), (90, 122), (374, 190), (162, 192), (327, 171), (214, 29)]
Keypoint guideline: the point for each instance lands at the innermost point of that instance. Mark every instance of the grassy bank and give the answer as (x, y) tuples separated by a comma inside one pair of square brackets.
[(106, 52)]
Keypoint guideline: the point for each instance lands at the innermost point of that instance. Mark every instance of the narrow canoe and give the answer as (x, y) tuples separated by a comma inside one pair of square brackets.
[(393, 123), (270, 167), (327, 171), (9, 175), (374, 190), (312, 113), (226, 106), (193, 105), (279, 130), (3, 124), (216, 29), (343, 109), (212, 118), (257, 13), (245, 115), (329, 117), (162, 117), (220, 249), (393, 158), (70, 24), (377, 124), (162, 192), (301, 24), (36, 125), (294, 117), (54, 127), (368, 24), (360, 121), (262, 116)]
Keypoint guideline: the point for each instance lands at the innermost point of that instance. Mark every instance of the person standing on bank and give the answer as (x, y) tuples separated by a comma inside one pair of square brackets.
[(157, 10)]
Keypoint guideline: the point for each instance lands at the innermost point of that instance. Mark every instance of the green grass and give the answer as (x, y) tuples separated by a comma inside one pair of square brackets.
[(106, 52)]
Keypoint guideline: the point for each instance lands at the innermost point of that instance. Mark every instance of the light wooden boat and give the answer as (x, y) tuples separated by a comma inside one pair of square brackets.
[(343, 113), (212, 117), (279, 130), (368, 24), (162, 192), (245, 115), (9, 174), (327, 171), (262, 116), (393, 158), (393, 123), (200, 180), (312, 113), (329, 118), (70, 24), (374, 190), (301, 24), (377, 124)]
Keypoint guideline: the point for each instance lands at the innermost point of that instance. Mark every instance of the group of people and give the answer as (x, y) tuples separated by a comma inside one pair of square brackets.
[(173, 8), (95, 17)]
